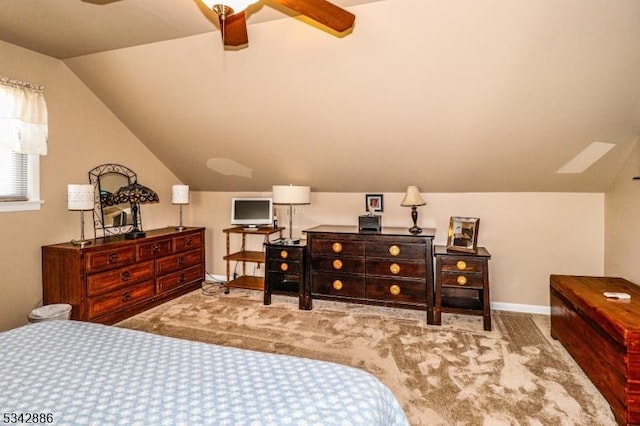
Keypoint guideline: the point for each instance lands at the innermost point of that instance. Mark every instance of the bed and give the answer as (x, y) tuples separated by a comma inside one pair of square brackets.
[(71, 372)]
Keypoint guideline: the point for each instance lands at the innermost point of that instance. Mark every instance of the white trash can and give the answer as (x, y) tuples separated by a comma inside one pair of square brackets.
[(58, 311)]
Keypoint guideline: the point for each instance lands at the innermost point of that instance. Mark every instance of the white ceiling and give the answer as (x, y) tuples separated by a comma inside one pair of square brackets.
[(449, 95)]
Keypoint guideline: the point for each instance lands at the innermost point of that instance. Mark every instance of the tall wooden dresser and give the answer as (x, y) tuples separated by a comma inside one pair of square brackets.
[(114, 278), (390, 268)]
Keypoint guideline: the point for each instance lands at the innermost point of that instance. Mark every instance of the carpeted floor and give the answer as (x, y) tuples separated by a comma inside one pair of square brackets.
[(454, 374)]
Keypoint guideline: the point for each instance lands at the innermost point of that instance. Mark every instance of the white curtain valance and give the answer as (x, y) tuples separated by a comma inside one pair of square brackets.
[(23, 117)]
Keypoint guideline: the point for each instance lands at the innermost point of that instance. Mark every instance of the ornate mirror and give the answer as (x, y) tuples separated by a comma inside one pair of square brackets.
[(110, 217)]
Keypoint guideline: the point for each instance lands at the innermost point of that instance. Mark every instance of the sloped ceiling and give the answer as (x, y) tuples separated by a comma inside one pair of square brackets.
[(448, 95)]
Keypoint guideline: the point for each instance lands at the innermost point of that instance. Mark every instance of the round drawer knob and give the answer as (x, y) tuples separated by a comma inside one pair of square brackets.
[(394, 289), (394, 268), (337, 285), (394, 250), (462, 280), (284, 254), (284, 266), (461, 265), (337, 247), (337, 264)]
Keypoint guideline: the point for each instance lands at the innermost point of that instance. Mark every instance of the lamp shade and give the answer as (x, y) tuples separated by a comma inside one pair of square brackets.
[(180, 194), (412, 197), (80, 197), (290, 194), (236, 5)]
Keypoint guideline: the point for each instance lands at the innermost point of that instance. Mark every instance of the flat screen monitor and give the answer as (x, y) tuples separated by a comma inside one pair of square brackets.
[(252, 212)]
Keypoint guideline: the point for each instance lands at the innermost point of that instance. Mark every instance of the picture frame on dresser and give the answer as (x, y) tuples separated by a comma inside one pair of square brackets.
[(374, 203), (463, 234)]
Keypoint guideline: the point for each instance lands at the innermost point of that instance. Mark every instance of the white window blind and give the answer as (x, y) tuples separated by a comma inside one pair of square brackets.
[(14, 176)]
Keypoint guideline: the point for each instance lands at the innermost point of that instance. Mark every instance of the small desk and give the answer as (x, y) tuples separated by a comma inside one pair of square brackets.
[(462, 284)]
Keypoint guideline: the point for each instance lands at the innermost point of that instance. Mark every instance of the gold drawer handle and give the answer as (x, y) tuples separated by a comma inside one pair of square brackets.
[(461, 265), (462, 280), (337, 284), (337, 247), (284, 267), (394, 268), (394, 289), (337, 264), (284, 254), (394, 250)]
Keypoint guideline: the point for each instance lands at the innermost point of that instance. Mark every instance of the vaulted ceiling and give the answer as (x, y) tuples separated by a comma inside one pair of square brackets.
[(448, 95)]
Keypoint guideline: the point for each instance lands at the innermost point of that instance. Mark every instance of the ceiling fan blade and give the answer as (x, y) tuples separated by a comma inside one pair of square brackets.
[(323, 12), (234, 29)]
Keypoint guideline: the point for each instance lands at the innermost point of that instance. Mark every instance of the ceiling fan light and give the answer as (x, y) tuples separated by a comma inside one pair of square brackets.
[(235, 6)]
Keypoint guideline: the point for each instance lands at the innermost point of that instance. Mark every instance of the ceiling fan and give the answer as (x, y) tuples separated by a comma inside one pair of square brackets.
[(233, 23)]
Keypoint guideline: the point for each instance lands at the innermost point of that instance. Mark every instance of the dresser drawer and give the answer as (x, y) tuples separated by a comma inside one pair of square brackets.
[(180, 278), (187, 242), (178, 261), (461, 264), (396, 250), (294, 255), (397, 268), (397, 290), (337, 246), (110, 259), (116, 300), (338, 285), (276, 265), (154, 249), (462, 280), (103, 282), (352, 265)]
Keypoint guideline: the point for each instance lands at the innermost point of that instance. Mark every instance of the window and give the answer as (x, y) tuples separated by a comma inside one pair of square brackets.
[(23, 138)]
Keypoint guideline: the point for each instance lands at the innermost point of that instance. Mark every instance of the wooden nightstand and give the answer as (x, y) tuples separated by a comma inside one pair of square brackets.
[(462, 284), (285, 272)]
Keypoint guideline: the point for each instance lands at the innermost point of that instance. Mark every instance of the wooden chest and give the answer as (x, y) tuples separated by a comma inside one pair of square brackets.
[(114, 278), (602, 335)]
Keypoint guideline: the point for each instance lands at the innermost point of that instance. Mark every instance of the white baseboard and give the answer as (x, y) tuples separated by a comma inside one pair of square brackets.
[(216, 278), (516, 307)]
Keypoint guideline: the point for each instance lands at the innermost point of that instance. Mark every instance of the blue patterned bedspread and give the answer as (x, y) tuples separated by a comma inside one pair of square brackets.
[(83, 373)]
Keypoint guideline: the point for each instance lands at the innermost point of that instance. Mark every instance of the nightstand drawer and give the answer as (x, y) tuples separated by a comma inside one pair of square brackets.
[(462, 280), (352, 265), (338, 285), (461, 264), (397, 290), (110, 259), (396, 250), (103, 282), (396, 268), (276, 265), (290, 254)]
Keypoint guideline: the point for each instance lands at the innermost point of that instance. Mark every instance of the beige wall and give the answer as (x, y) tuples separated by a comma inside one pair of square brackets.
[(622, 213), (530, 235), (83, 133)]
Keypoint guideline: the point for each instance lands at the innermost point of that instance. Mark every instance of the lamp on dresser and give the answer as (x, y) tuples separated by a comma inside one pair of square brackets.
[(80, 197), (291, 195), (180, 196), (135, 194), (413, 199)]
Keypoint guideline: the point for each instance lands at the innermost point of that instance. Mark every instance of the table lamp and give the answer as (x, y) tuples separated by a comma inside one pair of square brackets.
[(180, 196), (291, 194), (135, 194), (80, 197), (413, 199)]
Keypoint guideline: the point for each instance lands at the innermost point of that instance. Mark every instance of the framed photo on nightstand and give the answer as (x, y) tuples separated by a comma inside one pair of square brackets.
[(463, 234)]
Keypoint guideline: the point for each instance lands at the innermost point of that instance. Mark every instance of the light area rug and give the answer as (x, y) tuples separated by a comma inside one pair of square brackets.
[(454, 374)]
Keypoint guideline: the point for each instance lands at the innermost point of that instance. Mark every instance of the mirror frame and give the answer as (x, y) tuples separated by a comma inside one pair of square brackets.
[(95, 177), (466, 240)]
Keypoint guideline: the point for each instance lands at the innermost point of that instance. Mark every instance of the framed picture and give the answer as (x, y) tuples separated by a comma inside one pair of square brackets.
[(463, 234), (374, 203)]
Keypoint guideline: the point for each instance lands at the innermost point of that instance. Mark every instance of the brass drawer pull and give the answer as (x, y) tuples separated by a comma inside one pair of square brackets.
[(336, 247), (461, 265), (155, 248), (181, 260), (462, 280), (337, 284), (394, 250), (125, 276), (284, 254), (284, 267), (394, 268), (113, 257), (394, 289), (183, 278), (126, 296), (189, 242), (337, 264)]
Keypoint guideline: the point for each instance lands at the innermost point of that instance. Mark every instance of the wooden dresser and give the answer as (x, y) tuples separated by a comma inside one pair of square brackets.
[(389, 268), (113, 278), (602, 335)]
